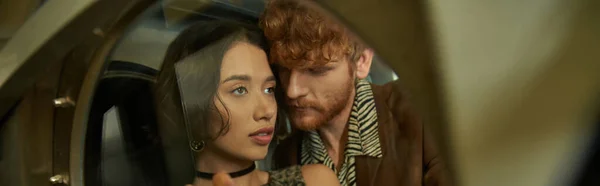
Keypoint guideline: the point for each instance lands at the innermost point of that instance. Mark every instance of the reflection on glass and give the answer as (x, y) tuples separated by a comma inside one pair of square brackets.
[(145, 44), (115, 166)]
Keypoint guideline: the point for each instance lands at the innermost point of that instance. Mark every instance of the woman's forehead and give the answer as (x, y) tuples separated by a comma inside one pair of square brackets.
[(245, 59)]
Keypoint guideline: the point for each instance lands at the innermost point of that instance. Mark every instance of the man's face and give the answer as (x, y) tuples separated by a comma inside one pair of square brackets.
[(317, 95)]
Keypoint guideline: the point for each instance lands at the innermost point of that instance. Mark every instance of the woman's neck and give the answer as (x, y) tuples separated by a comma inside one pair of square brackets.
[(210, 162)]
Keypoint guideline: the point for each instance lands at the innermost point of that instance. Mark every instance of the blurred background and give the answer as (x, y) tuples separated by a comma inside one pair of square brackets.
[(511, 89)]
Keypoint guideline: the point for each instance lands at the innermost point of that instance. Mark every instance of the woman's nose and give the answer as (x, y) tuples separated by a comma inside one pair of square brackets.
[(266, 108)]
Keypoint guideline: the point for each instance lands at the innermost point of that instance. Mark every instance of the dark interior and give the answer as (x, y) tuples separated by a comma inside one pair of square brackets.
[(127, 86)]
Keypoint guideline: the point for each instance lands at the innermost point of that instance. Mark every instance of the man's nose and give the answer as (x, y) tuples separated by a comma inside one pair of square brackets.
[(295, 85), (266, 108)]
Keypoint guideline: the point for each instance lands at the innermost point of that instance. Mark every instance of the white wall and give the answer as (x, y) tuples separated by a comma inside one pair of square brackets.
[(521, 80)]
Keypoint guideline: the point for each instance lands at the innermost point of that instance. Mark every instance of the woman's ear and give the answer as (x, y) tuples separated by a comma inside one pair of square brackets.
[(363, 65)]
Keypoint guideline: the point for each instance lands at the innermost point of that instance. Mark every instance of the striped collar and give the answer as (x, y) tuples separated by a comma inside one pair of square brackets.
[(363, 136)]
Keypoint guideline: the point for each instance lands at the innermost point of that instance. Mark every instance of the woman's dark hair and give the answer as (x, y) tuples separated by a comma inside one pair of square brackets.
[(193, 40)]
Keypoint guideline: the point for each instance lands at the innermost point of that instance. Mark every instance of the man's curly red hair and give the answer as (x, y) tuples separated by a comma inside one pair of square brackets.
[(301, 37)]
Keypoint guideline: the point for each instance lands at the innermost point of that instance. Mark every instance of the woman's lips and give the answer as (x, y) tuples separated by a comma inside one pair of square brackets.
[(262, 136)]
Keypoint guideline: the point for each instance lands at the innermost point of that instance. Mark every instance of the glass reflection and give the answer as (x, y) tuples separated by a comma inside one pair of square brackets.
[(115, 166), (168, 156)]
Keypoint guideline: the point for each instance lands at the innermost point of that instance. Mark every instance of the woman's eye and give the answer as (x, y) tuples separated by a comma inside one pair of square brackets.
[(270, 90), (240, 91)]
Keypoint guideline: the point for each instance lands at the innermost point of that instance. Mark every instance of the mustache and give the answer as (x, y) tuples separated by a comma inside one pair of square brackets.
[(302, 103)]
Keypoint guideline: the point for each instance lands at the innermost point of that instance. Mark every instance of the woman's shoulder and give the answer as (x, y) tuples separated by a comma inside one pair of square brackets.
[(314, 174), (318, 174)]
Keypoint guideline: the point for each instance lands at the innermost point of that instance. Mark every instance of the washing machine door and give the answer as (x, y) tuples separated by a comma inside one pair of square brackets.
[(510, 90)]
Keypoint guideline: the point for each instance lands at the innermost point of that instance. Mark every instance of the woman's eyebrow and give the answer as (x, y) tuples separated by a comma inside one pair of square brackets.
[(237, 77)]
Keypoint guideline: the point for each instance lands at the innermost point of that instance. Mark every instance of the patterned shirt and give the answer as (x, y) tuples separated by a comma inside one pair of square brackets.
[(363, 137)]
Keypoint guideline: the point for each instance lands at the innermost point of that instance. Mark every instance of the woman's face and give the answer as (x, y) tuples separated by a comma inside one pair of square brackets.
[(246, 88)]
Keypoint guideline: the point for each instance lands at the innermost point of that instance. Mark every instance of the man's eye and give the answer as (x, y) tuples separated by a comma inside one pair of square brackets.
[(240, 91), (318, 70)]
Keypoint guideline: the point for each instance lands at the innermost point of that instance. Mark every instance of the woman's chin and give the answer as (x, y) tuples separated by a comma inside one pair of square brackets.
[(258, 154), (252, 154)]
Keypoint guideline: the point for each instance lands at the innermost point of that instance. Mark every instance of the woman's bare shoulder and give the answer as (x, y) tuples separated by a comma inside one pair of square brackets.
[(318, 174)]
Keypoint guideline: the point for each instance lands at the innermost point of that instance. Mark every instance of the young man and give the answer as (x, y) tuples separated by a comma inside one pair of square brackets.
[(366, 133)]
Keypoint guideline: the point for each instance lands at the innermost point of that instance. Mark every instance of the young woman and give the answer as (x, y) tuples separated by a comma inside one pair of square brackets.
[(217, 81)]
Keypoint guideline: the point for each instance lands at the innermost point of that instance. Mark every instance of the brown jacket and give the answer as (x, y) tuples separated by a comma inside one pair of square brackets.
[(410, 157)]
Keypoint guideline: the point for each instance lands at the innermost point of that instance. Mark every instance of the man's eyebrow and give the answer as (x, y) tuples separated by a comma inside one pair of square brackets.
[(270, 78), (237, 77)]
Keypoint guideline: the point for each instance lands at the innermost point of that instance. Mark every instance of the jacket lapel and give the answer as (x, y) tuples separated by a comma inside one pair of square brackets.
[(367, 168)]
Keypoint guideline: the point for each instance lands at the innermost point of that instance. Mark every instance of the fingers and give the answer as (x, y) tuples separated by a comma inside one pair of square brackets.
[(222, 179)]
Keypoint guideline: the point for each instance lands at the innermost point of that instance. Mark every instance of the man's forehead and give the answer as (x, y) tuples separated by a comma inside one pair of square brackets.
[(304, 65)]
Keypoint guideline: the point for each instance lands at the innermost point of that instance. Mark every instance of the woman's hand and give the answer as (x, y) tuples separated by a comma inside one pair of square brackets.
[(220, 179)]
